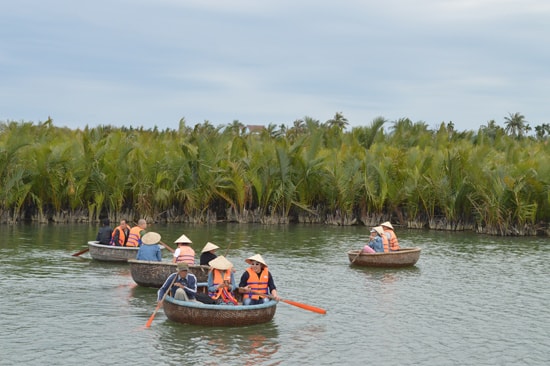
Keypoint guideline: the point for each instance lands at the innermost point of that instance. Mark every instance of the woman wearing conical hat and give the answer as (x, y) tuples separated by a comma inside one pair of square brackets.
[(257, 280), (149, 249), (390, 234), (184, 253), (208, 253), (221, 281)]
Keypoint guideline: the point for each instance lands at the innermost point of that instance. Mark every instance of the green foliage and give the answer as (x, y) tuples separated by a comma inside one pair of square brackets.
[(496, 180)]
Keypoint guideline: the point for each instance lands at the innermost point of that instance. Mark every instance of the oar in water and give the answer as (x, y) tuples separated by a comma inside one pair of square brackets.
[(290, 302), (150, 321), (357, 256), (81, 252)]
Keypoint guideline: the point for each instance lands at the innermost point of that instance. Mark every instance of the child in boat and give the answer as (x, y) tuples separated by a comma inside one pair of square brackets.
[(221, 281)]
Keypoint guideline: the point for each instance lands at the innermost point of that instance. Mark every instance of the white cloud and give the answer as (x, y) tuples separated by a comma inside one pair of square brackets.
[(153, 62)]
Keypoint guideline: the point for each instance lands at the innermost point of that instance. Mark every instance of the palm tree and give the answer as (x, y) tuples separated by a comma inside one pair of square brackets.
[(516, 125)]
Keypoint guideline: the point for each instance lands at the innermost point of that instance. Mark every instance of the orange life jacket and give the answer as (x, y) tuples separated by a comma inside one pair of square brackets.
[(257, 283), (394, 244), (134, 239), (218, 278), (186, 254), (385, 242), (121, 236)]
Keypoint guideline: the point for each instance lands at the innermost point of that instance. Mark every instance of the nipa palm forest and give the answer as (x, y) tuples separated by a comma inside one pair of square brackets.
[(495, 180)]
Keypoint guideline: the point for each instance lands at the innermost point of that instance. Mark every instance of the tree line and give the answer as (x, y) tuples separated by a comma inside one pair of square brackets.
[(494, 180)]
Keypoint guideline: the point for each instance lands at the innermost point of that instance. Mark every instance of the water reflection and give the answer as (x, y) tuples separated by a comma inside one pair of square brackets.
[(469, 300), (251, 345)]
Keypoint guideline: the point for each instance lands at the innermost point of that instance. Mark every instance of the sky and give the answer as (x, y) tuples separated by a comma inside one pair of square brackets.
[(147, 63)]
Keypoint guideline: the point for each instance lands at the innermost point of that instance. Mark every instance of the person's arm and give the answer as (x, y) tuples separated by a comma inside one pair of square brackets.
[(211, 286), (233, 282), (176, 255), (191, 288), (165, 286), (158, 254), (272, 288), (244, 283), (116, 235)]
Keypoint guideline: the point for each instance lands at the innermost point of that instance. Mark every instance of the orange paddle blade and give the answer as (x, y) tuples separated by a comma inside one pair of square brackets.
[(150, 321), (305, 306)]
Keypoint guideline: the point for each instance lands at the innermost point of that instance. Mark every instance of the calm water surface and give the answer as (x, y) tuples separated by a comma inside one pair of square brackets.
[(470, 300)]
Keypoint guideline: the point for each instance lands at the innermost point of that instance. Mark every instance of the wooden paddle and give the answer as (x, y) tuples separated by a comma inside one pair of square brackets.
[(167, 246), (81, 252), (357, 256), (290, 302), (150, 321)]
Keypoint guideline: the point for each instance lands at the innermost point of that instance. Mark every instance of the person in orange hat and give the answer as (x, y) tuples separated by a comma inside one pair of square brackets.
[(257, 280)]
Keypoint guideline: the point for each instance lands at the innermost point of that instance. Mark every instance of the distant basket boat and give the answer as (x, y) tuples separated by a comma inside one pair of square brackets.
[(112, 253), (153, 274), (401, 258), (197, 313)]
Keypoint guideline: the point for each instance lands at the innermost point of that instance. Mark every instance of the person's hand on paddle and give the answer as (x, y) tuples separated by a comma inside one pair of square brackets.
[(275, 296)]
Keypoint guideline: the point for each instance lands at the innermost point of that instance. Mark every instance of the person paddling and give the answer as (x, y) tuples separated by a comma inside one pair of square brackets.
[(181, 285), (257, 279)]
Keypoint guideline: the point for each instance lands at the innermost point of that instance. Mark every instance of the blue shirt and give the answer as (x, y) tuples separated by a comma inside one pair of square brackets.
[(377, 244), (189, 282), (149, 253)]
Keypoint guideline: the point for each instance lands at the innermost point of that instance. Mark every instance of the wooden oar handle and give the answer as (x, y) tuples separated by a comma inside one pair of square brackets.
[(259, 293)]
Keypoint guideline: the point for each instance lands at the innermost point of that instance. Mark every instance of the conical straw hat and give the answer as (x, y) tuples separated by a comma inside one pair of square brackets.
[(256, 258), (387, 224), (209, 246), (150, 238), (183, 239), (220, 263), (379, 230)]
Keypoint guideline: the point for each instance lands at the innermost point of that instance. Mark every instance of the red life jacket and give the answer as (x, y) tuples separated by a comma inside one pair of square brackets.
[(257, 283)]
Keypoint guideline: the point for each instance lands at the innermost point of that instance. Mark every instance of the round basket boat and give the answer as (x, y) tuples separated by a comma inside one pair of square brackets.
[(403, 257), (197, 313), (153, 274), (111, 253)]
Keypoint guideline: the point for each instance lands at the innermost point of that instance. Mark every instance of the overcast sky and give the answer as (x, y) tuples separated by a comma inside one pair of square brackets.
[(152, 62)]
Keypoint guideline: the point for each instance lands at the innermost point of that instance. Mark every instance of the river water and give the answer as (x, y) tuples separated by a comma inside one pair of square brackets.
[(470, 300)]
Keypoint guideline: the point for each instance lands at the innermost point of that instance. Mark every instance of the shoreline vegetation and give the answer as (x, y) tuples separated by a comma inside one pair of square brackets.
[(495, 180)]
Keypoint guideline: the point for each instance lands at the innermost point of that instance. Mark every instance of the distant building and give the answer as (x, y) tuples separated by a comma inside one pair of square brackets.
[(255, 128)]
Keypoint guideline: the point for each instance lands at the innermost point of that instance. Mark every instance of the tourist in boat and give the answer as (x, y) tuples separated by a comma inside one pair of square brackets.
[(104, 233), (149, 249), (368, 248), (184, 253), (120, 234), (136, 233), (378, 242), (257, 280), (208, 253), (221, 281), (392, 238), (184, 286)]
